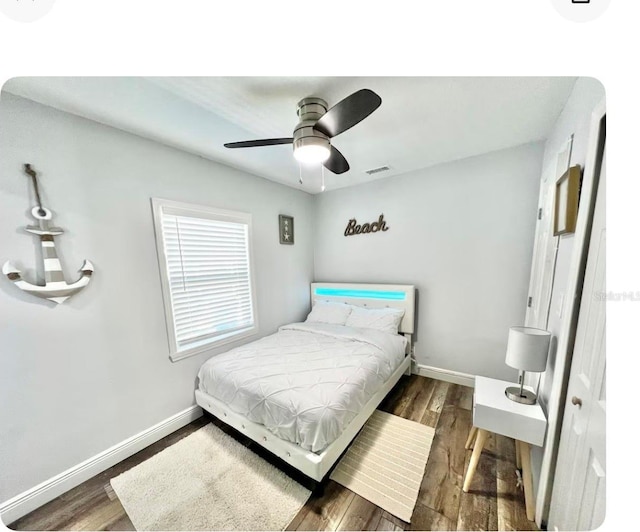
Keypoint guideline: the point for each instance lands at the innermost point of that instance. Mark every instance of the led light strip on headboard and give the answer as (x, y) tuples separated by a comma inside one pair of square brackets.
[(361, 294), (399, 296)]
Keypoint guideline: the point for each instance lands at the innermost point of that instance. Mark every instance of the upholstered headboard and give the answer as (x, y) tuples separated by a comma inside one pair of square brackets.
[(399, 296)]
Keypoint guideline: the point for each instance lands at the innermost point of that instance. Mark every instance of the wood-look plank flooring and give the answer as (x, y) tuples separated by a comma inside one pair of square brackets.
[(494, 501)]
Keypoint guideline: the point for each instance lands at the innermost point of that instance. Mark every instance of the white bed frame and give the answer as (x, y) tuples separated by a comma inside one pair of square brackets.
[(312, 464)]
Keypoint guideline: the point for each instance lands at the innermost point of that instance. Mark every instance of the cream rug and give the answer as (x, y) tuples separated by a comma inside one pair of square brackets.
[(385, 463), (208, 481)]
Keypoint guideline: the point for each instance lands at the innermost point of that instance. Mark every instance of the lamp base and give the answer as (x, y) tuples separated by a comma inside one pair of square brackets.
[(525, 397)]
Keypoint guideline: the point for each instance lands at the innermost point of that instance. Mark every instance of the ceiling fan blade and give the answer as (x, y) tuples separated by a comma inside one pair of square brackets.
[(336, 162), (348, 112), (254, 143)]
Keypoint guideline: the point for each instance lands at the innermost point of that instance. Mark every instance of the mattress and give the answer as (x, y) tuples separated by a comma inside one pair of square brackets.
[(306, 382)]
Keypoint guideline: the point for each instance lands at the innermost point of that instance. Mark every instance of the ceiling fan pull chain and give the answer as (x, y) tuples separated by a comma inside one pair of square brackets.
[(322, 186), (300, 169)]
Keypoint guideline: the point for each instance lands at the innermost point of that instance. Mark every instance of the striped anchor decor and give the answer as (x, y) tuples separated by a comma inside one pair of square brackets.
[(55, 289)]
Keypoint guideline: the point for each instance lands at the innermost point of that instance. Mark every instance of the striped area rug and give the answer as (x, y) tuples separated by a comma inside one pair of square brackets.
[(385, 463)]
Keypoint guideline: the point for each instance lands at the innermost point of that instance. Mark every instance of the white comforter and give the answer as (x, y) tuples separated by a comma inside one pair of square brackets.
[(306, 382)]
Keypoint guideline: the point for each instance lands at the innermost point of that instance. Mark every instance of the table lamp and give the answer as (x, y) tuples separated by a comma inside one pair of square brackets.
[(527, 350)]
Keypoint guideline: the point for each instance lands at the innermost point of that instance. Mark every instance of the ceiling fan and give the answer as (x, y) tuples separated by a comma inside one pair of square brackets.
[(318, 125)]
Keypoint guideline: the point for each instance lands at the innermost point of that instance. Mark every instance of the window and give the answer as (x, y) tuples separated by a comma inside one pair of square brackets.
[(207, 283)]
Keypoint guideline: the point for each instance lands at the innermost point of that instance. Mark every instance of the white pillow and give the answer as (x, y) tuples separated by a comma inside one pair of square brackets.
[(329, 312), (382, 319)]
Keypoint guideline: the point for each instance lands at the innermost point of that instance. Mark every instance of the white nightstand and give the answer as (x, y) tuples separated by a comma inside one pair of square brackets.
[(494, 412)]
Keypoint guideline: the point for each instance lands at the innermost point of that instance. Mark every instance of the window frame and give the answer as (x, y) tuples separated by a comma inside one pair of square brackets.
[(163, 206)]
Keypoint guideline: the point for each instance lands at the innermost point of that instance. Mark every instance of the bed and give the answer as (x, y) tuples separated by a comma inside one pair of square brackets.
[(304, 392)]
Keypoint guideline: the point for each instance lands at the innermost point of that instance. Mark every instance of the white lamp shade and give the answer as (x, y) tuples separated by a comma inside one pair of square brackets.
[(527, 348)]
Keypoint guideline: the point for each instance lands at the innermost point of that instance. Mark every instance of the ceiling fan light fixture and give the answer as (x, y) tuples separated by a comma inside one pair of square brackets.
[(311, 150), (312, 154)]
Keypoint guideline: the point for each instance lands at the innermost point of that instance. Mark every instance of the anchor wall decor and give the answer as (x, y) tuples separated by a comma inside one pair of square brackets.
[(55, 289)]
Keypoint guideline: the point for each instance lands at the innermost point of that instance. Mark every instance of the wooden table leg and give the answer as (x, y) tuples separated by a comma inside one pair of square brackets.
[(518, 461), (477, 451), (472, 435), (525, 458)]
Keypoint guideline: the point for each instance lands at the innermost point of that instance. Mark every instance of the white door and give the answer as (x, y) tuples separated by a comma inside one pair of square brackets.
[(578, 499), (545, 245)]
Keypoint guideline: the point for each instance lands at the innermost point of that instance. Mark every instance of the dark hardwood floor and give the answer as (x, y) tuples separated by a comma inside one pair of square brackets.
[(493, 502)]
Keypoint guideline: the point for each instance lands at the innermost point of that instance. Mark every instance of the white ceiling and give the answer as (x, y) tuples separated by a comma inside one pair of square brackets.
[(422, 121)]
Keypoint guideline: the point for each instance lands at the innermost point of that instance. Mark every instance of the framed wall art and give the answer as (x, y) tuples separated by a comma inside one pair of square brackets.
[(566, 202), (286, 229)]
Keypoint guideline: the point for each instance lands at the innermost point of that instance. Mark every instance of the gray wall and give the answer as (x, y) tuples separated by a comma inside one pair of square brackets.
[(81, 377), (463, 233)]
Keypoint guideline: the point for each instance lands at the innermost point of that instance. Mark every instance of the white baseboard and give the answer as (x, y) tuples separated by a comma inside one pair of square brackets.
[(465, 379), (48, 490)]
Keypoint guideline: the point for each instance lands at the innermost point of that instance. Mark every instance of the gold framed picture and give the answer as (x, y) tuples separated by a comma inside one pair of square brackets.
[(566, 202)]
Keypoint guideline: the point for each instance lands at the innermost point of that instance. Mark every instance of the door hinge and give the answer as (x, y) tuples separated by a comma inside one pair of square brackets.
[(540, 213), (529, 302)]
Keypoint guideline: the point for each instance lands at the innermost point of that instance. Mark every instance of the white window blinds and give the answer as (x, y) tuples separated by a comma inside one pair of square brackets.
[(208, 275)]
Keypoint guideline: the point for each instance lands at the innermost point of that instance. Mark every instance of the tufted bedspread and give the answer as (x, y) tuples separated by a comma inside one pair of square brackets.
[(306, 382)]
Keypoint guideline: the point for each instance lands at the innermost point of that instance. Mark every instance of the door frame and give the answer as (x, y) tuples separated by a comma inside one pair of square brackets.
[(589, 419), (540, 288), (567, 333)]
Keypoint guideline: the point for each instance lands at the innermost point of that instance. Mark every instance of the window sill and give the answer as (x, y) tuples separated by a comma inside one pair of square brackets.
[(214, 344)]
